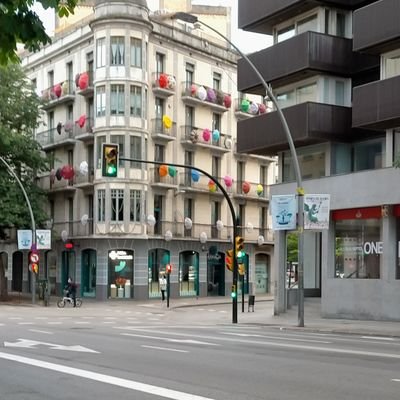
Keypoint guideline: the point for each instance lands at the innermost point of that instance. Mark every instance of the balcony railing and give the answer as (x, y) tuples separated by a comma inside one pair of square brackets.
[(243, 188), (164, 176), (73, 228), (205, 137), (84, 83), (57, 94), (163, 128), (191, 180), (55, 137), (245, 108), (164, 85), (197, 94)]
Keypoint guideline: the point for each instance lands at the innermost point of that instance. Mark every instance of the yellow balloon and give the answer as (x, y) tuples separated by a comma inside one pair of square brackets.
[(167, 122)]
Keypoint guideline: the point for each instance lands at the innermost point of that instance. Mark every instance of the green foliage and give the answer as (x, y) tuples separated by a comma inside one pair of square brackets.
[(19, 24), (292, 243), (396, 162), (19, 113)]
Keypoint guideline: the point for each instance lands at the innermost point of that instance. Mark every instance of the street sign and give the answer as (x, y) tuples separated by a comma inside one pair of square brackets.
[(34, 258)]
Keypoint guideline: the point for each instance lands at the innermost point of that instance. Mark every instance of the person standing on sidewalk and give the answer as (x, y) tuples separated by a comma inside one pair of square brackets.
[(163, 286)]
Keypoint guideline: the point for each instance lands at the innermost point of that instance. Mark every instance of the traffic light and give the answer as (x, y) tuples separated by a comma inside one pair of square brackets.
[(241, 269), (239, 244), (168, 268), (229, 259), (233, 292), (35, 268), (110, 160)]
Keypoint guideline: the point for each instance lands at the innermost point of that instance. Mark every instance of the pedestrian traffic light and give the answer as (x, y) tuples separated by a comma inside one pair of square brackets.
[(233, 292), (239, 244), (229, 259), (110, 160), (168, 268), (241, 269)]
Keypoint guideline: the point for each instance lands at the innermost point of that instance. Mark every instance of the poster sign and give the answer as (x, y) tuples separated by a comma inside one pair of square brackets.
[(316, 211), (24, 239), (283, 210), (43, 239)]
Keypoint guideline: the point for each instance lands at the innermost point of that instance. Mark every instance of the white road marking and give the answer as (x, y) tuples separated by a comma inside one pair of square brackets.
[(275, 337), (106, 379), (164, 348), (377, 338), (82, 322), (26, 343), (39, 331), (25, 323), (167, 339), (54, 323), (109, 322), (13, 318), (395, 380)]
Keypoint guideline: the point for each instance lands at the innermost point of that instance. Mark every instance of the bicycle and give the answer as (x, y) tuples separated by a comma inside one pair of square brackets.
[(68, 300)]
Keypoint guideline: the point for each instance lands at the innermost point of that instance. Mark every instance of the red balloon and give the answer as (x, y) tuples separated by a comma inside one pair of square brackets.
[(245, 187), (262, 109), (163, 81), (57, 90), (67, 172), (83, 81), (82, 121), (227, 101)]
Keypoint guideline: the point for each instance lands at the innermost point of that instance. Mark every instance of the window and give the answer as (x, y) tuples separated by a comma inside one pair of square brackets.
[(216, 166), (50, 78), (358, 248), (216, 81), (136, 151), (160, 59), (340, 24), (117, 100), (101, 101), (70, 112), (306, 93), (117, 50), (215, 216), (263, 221), (136, 101), (117, 205), (339, 93), (135, 206), (189, 160), (120, 141), (369, 155), (136, 52), (307, 24), (189, 71), (101, 205), (240, 168), (391, 66), (160, 108), (189, 120), (216, 121), (99, 141), (286, 99), (100, 52), (285, 33)]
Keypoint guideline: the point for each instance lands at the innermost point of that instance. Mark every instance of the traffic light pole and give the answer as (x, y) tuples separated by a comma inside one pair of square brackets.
[(33, 275), (234, 221)]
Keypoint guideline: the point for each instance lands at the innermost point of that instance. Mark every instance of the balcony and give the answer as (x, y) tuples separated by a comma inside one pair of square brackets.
[(192, 181), (193, 137), (245, 108), (85, 182), (74, 229), (195, 94), (163, 129), (263, 15), (163, 85), (60, 93), (246, 190), (164, 177), (300, 57), (55, 183), (376, 28), (56, 137), (84, 84), (84, 129), (309, 123), (377, 104)]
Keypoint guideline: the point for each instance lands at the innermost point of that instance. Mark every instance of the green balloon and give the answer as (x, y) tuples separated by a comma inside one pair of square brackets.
[(244, 106), (172, 171)]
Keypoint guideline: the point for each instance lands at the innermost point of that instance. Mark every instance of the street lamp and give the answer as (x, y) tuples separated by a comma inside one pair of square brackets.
[(300, 191)]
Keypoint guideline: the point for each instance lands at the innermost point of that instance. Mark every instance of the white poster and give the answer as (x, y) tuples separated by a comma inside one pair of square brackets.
[(316, 211), (283, 211), (43, 239), (24, 239)]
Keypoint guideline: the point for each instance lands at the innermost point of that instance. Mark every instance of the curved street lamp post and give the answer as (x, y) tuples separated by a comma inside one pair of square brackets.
[(300, 191)]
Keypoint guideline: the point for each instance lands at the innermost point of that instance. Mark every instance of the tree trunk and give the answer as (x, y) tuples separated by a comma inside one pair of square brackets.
[(3, 282)]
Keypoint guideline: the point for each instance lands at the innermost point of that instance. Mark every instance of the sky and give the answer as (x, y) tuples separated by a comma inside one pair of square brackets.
[(245, 41)]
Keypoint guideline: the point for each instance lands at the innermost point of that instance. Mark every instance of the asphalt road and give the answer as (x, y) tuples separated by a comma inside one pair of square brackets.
[(147, 352)]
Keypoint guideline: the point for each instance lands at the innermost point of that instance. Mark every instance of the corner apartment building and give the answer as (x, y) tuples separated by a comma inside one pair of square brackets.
[(334, 68), (166, 92)]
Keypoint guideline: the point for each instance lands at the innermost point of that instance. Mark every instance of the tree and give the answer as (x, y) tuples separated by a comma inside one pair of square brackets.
[(19, 116), (20, 24)]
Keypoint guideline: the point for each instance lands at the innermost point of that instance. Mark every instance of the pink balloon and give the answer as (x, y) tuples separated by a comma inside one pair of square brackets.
[(228, 181), (57, 90), (82, 121), (206, 134), (83, 80)]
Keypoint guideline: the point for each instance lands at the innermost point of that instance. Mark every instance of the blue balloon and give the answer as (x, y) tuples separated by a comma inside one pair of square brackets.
[(215, 135), (195, 175)]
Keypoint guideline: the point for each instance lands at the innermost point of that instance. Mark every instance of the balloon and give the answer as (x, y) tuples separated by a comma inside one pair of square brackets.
[(244, 106), (168, 236), (215, 135), (259, 189), (58, 174), (211, 96), (65, 88), (59, 127), (253, 109), (52, 176), (220, 225), (201, 93), (227, 101), (206, 135), (163, 81), (228, 181), (171, 82), (67, 172), (245, 187), (203, 237), (57, 90), (195, 175), (188, 223), (262, 109), (167, 122), (83, 81), (151, 220), (212, 187), (228, 143), (171, 171), (194, 136), (260, 240), (220, 97), (193, 89), (68, 126), (82, 121), (77, 76), (84, 168), (163, 170)]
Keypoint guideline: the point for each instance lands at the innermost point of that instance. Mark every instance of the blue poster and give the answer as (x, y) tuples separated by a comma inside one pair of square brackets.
[(24, 239), (283, 211)]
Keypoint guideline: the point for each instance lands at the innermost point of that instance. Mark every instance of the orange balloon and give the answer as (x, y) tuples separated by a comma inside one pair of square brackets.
[(163, 170), (246, 187)]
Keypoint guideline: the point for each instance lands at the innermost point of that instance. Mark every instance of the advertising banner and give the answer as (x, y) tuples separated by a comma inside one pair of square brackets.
[(316, 211), (24, 239), (283, 211)]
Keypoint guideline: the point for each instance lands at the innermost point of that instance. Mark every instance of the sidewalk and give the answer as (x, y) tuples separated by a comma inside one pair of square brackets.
[(262, 315)]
